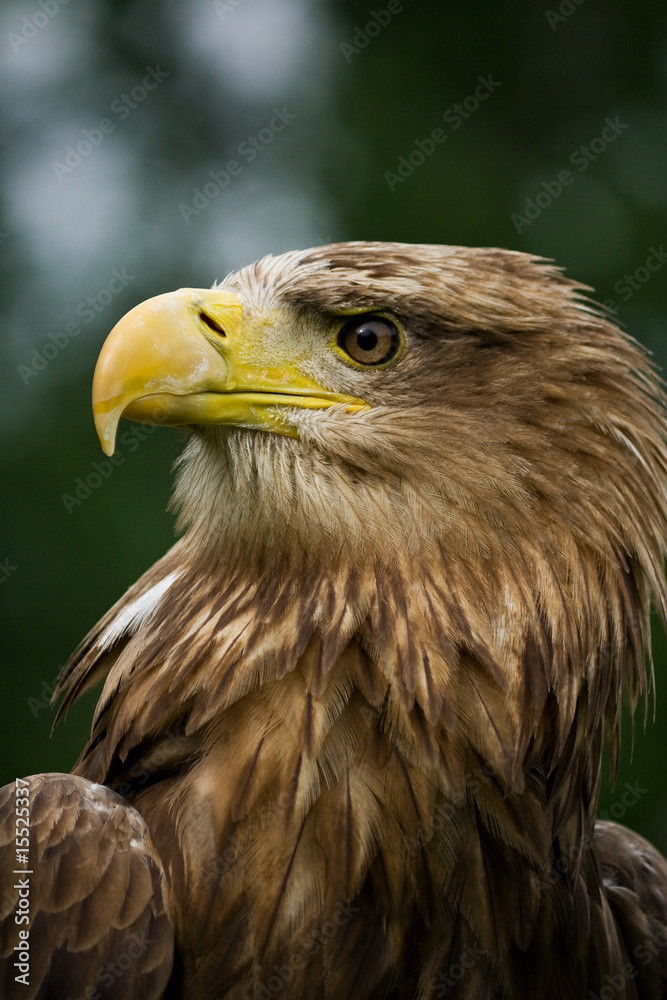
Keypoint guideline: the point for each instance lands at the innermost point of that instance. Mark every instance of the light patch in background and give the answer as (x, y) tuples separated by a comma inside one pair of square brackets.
[(58, 49), (260, 48), (262, 218), (75, 228)]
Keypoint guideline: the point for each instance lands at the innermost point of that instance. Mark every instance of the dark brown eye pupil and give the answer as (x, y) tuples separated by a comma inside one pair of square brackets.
[(369, 340)]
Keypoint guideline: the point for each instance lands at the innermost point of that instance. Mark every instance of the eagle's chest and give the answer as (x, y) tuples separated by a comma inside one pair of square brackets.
[(307, 820)]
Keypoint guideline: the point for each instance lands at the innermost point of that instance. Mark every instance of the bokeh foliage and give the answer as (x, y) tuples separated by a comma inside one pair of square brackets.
[(361, 99)]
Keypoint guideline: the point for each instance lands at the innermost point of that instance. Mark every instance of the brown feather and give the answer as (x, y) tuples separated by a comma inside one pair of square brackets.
[(95, 887)]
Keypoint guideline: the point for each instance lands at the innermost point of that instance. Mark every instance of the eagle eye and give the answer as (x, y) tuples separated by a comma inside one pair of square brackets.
[(370, 340)]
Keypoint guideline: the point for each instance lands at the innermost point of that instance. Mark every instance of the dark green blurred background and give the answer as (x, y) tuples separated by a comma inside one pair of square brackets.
[(361, 100)]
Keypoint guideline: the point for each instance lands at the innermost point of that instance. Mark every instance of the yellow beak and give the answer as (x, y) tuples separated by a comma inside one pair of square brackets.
[(187, 358)]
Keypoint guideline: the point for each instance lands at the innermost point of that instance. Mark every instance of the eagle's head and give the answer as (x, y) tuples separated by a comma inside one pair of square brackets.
[(374, 398)]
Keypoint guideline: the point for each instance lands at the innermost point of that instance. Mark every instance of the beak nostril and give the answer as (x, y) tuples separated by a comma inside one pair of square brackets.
[(211, 324)]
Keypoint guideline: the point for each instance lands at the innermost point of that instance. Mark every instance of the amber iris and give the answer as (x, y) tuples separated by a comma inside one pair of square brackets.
[(369, 340)]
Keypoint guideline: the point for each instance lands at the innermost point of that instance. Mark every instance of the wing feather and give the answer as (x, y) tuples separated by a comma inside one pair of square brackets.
[(97, 911)]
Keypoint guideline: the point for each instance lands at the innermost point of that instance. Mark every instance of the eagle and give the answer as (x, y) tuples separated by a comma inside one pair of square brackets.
[(349, 739)]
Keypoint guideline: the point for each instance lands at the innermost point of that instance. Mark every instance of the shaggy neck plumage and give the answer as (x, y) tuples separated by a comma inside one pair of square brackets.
[(286, 552)]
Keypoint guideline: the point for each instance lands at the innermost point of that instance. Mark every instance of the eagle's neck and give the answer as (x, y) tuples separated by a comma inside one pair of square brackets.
[(193, 639)]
